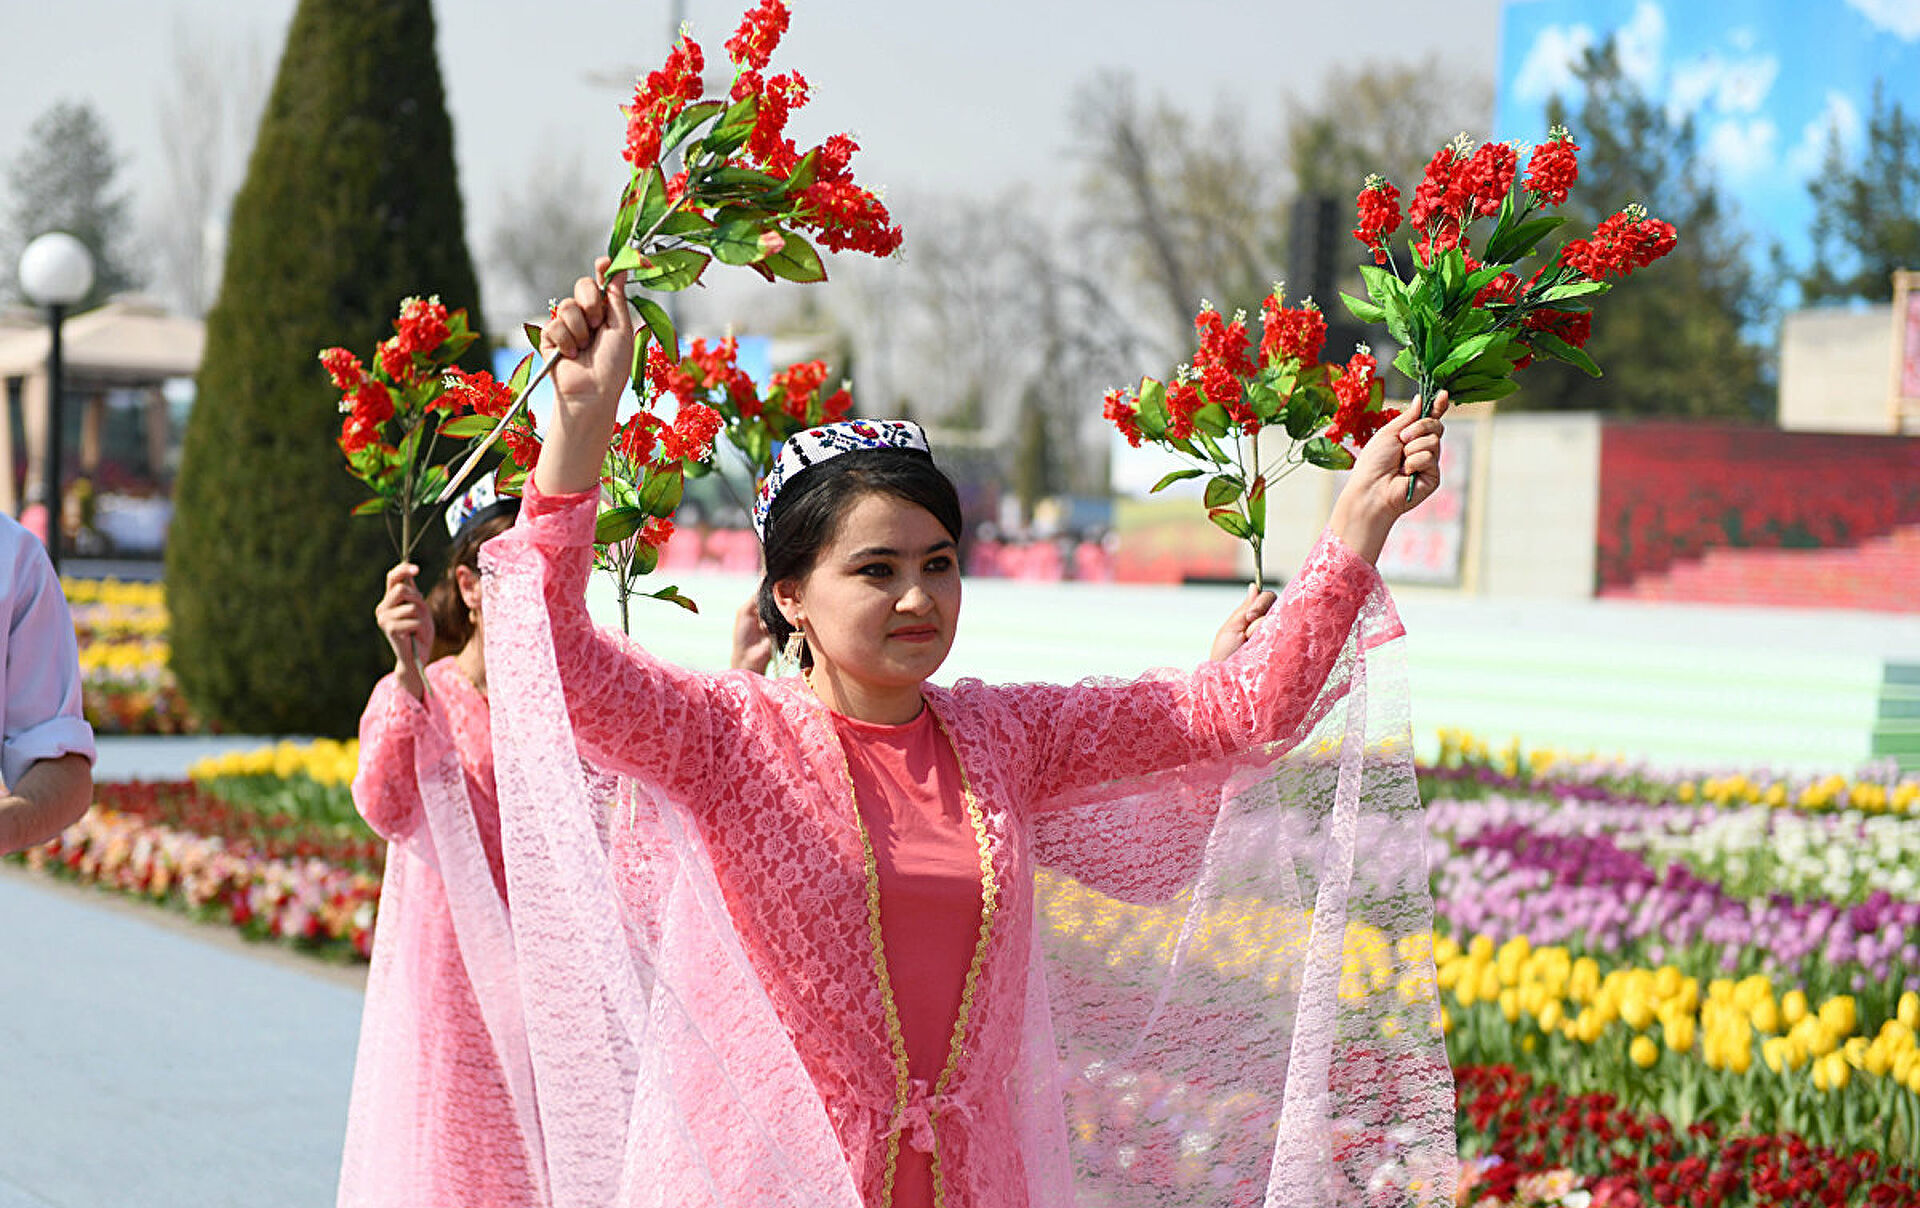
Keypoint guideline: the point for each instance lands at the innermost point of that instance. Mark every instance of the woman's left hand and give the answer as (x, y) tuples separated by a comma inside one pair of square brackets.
[(1233, 634), (1406, 450)]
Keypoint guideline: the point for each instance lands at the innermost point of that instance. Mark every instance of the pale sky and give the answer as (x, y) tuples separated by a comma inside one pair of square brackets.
[(968, 97)]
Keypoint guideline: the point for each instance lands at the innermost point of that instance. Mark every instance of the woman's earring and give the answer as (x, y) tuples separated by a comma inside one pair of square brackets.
[(795, 647)]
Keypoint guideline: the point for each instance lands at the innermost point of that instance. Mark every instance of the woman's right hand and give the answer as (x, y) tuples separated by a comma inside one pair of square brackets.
[(403, 616), (591, 332)]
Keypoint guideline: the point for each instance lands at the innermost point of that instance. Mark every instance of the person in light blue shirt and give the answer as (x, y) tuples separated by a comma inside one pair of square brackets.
[(46, 745)]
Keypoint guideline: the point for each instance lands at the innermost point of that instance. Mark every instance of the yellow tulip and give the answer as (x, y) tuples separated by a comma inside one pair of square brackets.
[(1793, 1007), (1637, 1012), (1854, 1052), (1510, 1005), (1679, 1033), (1839, 1014), (1550, 1015), (1765, 1015), (1777, 1052), (1908, 1012), (1643, 1051)]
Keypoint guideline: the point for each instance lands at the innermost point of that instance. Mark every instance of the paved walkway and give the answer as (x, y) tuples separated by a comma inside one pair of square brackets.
[(149, 1063)]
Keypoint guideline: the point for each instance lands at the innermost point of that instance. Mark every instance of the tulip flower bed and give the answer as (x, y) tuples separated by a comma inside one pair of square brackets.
[(266, 842), (126, 682)]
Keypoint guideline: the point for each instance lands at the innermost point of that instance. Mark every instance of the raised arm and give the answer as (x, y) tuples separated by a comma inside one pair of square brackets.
[(396, 728), (1267, 690), (46, 745)]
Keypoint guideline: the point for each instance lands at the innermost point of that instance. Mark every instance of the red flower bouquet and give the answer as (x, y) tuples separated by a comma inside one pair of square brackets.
[(1466, 324), (1214, 411)]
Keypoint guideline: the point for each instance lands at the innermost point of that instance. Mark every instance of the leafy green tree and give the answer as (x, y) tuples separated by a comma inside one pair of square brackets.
[(65, 180), (350, 204), (1677, 338), (1866, 214)]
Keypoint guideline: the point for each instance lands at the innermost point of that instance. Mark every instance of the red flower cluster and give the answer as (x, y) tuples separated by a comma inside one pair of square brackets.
[(660, 99), (690, 436), (1627, 1159), (422, 326), (1379, 210), (753, 44), (846, 216), (799, 383), (476, 391), (719, 367), (657, 531), (1117, 408), (1624, 242), (1224, 362), (779, 97), (1297, 332), (1554, 167), (366, 402), (1356, 420)]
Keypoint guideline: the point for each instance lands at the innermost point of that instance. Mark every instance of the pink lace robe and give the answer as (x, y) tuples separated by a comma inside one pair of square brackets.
[(1189, 989), (434, 1116)]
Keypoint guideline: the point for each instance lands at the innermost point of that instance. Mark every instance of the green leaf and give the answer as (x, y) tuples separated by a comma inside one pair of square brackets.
[(617, 524), (1303, 414), (673, 269), (796, 260), (1327, 455), (758, 449), (660, 492), (734, 127), (1150, 410), (643, 559), (1214, 452), (1223, 489), (376, 505), (1212, 419), (653, 201), (1173, 477), (1548, 344), (532, 331), (689, 120), (626, 260), (469, 426), (1257, 507), (624, 220), (685, 224), (637, 371), (1574, 289), (1264, 400), (1519, 241), (1483, 277), (660, 323), (1382, 286), (433, 482), (732, 180), (672, 596), (521, 375), (738, 243), (1407, 363), (1465, 351), (1453, 273), (1483, 393), (1366, 312), (1233, 522), (804, 173)]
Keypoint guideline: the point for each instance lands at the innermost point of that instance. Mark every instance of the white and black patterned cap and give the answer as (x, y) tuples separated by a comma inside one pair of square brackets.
[(804, 450), (481, 502)]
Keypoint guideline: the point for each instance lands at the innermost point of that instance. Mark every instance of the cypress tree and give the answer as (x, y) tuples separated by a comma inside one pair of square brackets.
[(350, 204)]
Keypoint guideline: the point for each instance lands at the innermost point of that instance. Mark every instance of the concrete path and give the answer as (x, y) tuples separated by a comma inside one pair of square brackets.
[(149, 1063)]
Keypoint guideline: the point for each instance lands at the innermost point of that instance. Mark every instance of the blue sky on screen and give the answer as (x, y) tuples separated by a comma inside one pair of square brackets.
[(1764, 79)]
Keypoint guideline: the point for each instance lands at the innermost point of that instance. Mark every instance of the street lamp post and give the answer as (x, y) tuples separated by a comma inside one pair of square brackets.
[(56, 271)]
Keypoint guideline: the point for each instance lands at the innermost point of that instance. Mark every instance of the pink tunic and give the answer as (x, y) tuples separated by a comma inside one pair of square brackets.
[(429, 1082), (907, 785), (730, 1039)]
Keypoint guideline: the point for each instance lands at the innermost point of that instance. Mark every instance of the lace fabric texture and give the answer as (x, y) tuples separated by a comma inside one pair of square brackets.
[(443, 1109), (1209, 980)]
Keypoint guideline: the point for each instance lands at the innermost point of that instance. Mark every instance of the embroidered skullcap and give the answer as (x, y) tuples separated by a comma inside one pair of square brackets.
[(804, 450), (480, 503)]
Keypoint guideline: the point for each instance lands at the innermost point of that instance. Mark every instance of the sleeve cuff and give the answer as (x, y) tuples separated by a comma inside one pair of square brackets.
[(559, 520), (50, 739)]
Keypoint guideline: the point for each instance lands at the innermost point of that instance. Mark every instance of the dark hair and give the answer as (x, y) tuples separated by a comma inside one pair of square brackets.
[(452, 622), (807, 513)]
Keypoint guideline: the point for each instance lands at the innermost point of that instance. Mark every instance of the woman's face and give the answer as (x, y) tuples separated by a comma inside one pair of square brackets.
[(880, 604)]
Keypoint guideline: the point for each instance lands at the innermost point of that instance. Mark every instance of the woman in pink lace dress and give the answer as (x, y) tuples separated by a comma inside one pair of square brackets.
[(1155, 942)]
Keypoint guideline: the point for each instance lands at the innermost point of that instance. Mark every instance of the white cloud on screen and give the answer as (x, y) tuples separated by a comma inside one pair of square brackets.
[(1742, 147), (1901, 18), (1730, 87), (1547, 70), (1810, 152), (1642, 41)]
